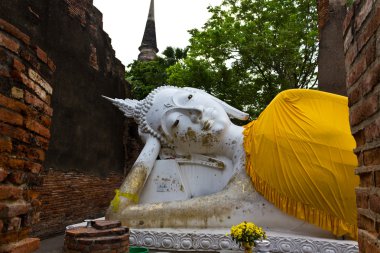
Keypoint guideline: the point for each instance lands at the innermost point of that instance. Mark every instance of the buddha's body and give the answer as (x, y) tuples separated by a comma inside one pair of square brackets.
[(191, 130)]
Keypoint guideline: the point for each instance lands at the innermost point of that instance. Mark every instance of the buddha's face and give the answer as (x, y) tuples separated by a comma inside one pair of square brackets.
[(192, 122)]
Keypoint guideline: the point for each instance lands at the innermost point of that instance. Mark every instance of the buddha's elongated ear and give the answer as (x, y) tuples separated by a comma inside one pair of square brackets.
[(127, 106), (231, 111)]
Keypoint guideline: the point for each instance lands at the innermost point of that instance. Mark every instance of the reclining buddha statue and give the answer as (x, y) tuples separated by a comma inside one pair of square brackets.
[(291, 170)]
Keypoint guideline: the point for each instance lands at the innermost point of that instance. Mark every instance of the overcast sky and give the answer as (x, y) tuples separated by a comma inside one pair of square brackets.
[(124, 21)]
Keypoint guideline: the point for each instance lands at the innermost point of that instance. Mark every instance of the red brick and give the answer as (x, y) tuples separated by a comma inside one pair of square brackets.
[(27, 245), (9, 43), (5, 144), (10, 192), (354, 96), (364, 109), (17, 177), (13, 236), (38, 103), (37, 128), (23, 151), (15, 132), (13, 209), (105, 224), (357, 69), (14, 224), (4, 73), (366, 179), (372, 131), (10, 117), (41, 142), (16, 164), (370, 28), (362, 198), (51, 64), (41, 54), (17, 93), (366, 223), (18, 65), (377, 179), (372, 156), (371, 78), (3, 175), (374, 203), (1, 226), (14, 105), (347, 20), (45, 120), (33, 167), (31, 84), (41, 81), (14, 31), (363, 14)]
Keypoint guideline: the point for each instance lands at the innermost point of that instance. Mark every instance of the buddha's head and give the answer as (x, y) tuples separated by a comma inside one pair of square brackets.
[(187, 119)]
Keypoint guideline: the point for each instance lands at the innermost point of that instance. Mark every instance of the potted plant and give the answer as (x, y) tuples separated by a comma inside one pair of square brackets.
[(246, 234)]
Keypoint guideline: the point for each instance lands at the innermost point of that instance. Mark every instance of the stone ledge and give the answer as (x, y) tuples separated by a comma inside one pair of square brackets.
[(203, 240)]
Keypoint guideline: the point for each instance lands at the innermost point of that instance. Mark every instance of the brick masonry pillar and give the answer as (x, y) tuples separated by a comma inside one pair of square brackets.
[(101, 237), (361, 29), (25, 116)]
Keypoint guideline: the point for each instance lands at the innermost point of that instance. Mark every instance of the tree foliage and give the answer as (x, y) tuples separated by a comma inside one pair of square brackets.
[(144, 76), (249, 50)]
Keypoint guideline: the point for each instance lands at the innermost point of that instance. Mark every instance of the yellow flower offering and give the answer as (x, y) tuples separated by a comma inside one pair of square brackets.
[(246, 233)]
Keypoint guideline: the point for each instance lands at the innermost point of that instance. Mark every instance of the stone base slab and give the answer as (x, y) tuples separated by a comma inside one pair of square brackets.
[(216, 240)]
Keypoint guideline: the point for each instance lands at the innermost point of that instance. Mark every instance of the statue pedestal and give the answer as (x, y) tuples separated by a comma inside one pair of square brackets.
[(216, 240)]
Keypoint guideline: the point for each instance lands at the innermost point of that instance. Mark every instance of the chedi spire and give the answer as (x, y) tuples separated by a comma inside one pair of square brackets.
[(148, 48)]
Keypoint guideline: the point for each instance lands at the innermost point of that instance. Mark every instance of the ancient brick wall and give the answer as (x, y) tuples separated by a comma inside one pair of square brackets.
[(25, 118), (362, 51), (331, 71), (85, 159)]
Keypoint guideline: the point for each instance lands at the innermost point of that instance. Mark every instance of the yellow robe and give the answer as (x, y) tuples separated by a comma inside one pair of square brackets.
[(300, 157)]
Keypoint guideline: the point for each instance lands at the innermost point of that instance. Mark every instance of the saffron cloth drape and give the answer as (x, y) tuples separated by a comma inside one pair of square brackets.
[(300, 157)]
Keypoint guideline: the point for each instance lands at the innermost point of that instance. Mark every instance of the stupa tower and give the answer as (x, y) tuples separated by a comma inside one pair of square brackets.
[(148, 48)]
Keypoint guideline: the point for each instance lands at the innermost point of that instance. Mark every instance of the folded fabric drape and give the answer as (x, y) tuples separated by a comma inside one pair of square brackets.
[(300, 157)]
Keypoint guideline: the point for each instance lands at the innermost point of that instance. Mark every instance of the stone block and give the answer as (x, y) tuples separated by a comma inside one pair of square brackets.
[(105, 224)]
